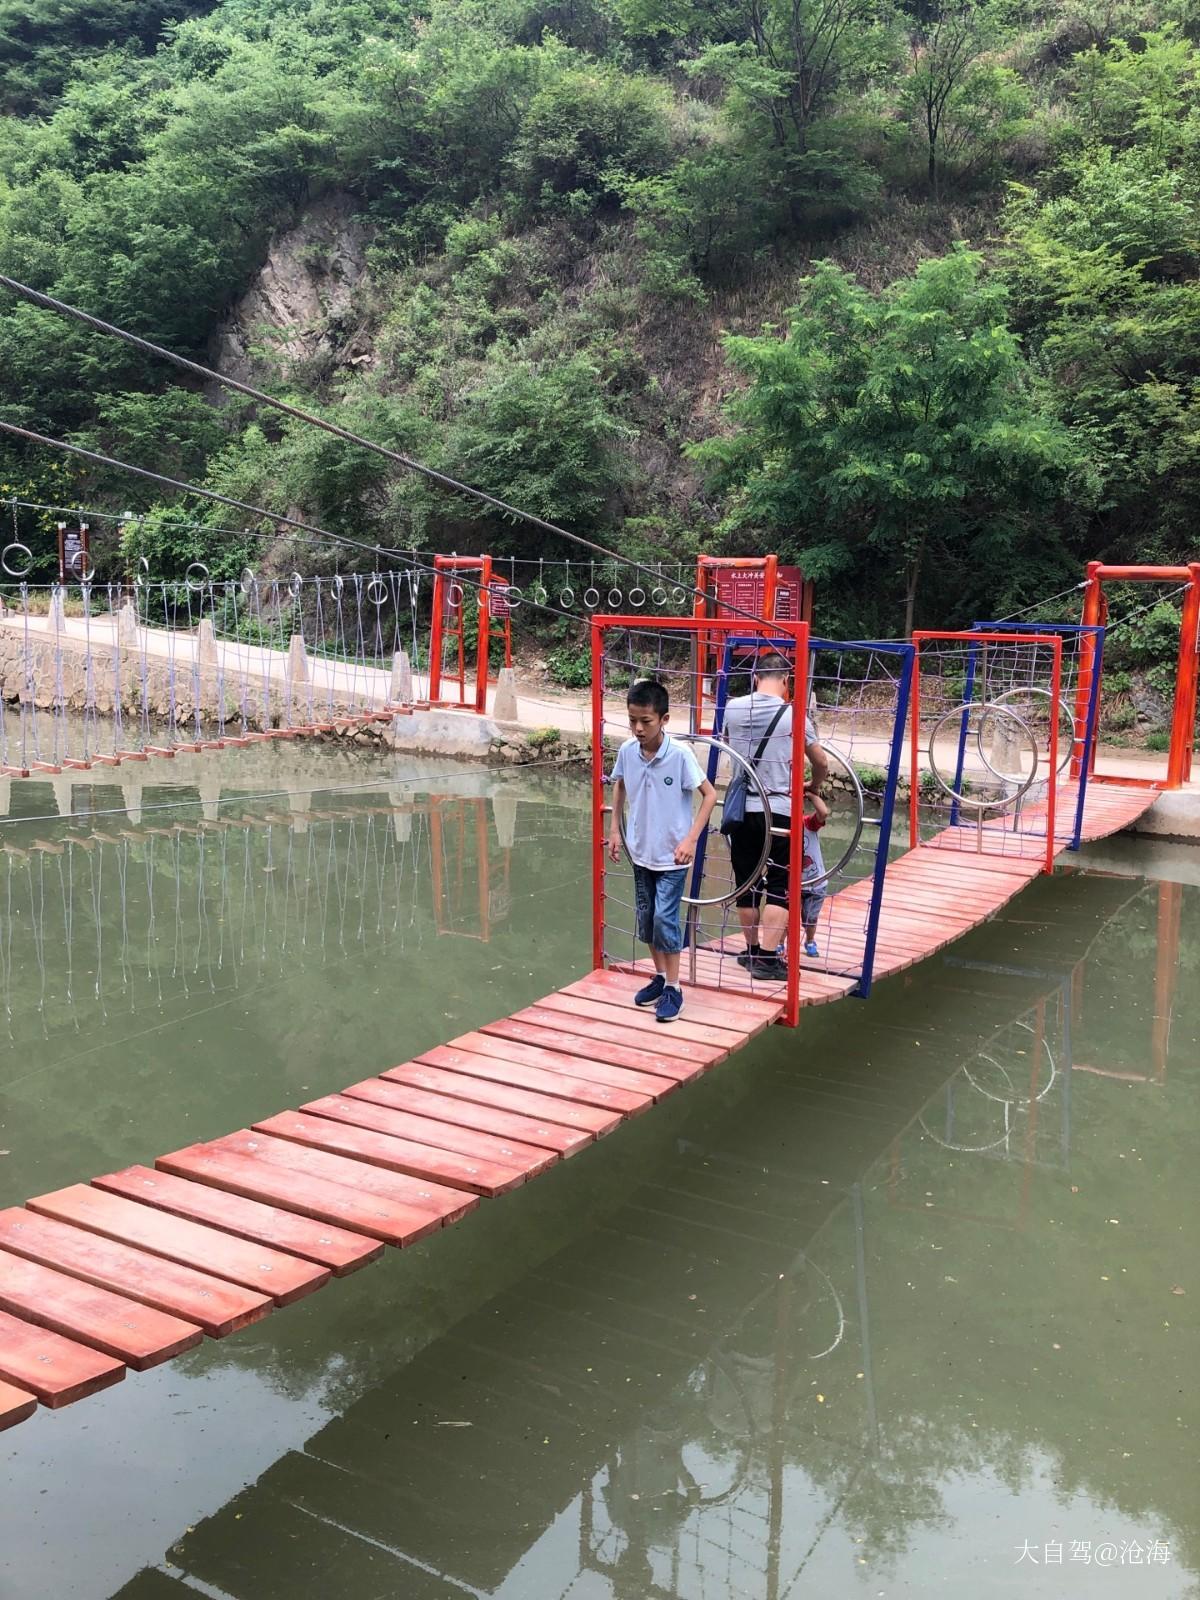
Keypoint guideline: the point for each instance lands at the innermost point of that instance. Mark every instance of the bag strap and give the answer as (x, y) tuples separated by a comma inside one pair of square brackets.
[(766, 738)]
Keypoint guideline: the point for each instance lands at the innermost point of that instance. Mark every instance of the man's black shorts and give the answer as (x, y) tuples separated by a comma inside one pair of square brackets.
[(745, 850)]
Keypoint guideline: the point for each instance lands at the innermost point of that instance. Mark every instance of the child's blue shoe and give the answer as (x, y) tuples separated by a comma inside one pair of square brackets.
[(669, 1007), (812, 948), (652, 991)]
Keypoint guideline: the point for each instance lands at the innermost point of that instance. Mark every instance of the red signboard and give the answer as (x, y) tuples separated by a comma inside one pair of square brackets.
[(741, 591)]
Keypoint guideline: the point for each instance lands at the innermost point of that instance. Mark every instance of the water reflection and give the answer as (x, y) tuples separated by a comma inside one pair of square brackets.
[(859, 1317)]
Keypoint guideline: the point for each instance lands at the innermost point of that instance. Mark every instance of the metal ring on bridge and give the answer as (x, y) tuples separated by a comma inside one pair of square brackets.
[(196, 575), (615, 598), (454, 596), (249, 580), (658, 596), (1027, 689), (637, 597), (852, 778), (755, 784), (515, 596), (296, 586), (143, 567), (337, 584), (566, 598), (12, 571), (678, 595), (82, 566), (1006, 801), (591, 598), (377, 591), (539, 594)]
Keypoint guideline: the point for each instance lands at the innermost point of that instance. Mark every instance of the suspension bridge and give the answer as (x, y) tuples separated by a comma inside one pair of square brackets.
[(987, 736)]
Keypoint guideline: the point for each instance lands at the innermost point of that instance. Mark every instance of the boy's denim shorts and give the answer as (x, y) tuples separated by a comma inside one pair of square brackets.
[(657, 896)]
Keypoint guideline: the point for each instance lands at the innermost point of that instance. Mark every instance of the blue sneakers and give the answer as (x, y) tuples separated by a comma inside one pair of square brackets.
[(669, 1006), (812, 948), (652, 991)]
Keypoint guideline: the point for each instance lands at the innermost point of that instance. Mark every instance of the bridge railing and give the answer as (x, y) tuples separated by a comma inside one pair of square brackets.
[(986, 744), (1082, 672)]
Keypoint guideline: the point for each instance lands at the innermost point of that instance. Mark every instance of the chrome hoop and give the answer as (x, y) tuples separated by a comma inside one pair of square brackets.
[(539, 594), (248, 580), (515, 596), (1005, 802), (337, 584), (296, 586), (637, 598), (566, 598), (454, 596), (11, 570), (82, 566), (819, 882), (615, 598), (377, 592), (1063, 712), (755, 783), (193, 581), (658, 596), (591, 598), (678, 595)]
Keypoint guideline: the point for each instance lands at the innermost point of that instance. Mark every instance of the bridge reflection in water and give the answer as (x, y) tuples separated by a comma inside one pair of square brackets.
[(856, 1311)]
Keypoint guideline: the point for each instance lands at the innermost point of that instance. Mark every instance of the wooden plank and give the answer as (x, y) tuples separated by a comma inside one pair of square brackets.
[(574, 1044), (422, 1197), (15, 1405), (594, 1121), (601, 981), (133, 1333), (283, 1278), (643, 1019), (320, 1242), (421, 1200), (525, 1158), (538, 1049), (542, 1082), (669, 1040), (337, 1203), (218, 1307), (57, 1370), (393, 1154)]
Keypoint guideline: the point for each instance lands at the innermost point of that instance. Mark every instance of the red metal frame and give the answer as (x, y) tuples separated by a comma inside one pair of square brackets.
[(708, 633), (708, 603), (1187, 677), (445, 569), (926, 635)]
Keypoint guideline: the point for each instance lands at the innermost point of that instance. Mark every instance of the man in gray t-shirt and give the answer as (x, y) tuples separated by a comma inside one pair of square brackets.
[(747, 719)]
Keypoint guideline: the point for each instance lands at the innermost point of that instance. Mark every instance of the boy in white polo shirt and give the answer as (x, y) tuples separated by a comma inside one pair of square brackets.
[(657, 776)]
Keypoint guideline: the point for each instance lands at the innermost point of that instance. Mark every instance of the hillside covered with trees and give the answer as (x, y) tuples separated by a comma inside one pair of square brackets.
[(905, 291)]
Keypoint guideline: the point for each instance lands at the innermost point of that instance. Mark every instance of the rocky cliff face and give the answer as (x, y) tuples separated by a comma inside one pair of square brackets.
[(306, 306)]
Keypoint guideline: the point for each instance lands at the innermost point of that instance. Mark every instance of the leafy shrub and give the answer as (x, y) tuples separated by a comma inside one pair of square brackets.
[(570, 665)]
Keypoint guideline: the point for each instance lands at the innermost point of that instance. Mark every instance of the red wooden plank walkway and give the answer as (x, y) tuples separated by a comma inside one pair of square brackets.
[(139, 1265)]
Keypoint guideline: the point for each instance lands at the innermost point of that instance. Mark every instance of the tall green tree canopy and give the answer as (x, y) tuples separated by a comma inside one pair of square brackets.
[(896, 433)]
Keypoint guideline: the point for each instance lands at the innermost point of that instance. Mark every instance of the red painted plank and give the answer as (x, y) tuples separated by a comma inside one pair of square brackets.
[(534, 1078), (135, 1334), (218, 1307), (740, 1008), (57, 1370), (337, 1203), (422, 1197), (394, 1155), (539, 1051), (574, 1044), (320, 1242), (525, 1158), (702, 1008), (15, 1405), (668, 1039), (594, 1121), (283, 1278), (726, 1037)]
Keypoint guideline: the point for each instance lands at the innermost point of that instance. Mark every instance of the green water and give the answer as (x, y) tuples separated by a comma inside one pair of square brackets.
[(882, 1307)]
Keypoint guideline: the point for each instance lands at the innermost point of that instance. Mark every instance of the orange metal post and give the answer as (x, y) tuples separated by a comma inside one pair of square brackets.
[(1094, 613), (1183, 722)]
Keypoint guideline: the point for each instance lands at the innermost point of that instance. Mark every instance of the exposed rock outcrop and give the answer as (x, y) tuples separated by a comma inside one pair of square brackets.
[(305, 304)]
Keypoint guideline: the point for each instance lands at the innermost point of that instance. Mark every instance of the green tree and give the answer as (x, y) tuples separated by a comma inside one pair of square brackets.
[(946, 39), (889, 434)]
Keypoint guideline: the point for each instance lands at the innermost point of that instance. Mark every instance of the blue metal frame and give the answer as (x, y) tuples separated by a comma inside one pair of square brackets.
[(1067, 630), (907, 655)]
